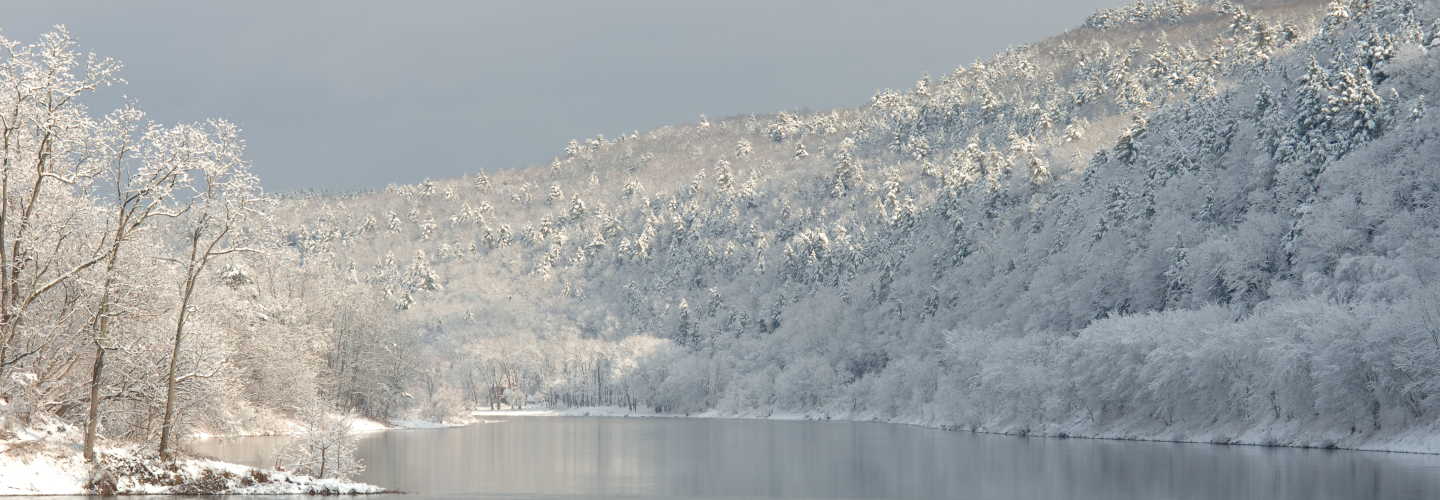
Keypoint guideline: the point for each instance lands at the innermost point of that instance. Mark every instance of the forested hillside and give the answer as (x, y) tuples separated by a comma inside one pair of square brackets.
[(1178, 220), (1181, 220)]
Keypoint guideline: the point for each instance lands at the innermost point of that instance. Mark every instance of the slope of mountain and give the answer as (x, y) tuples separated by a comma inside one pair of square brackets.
[(1184, 221)]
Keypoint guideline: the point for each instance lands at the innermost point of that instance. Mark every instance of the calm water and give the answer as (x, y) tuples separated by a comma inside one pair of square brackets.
[(554, 457)]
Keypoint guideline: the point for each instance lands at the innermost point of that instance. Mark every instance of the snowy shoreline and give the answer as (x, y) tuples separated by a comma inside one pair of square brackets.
[(57, 469), (1419, 443), (357, 426), (45, 460)]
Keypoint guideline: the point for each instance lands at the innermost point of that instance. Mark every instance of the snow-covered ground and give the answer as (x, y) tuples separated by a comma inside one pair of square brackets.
[(358, 425), (46, 459), (62, 471), (366, 425)]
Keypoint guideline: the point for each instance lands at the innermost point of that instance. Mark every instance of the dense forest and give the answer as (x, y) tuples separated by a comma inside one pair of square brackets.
[(1184, 220)]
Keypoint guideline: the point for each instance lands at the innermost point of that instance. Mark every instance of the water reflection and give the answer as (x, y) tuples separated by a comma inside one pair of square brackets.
[(541, 457)]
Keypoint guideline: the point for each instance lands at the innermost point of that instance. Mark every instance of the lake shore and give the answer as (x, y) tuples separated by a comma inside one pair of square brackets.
[(47, 459), (1417, 442), (358, 425)]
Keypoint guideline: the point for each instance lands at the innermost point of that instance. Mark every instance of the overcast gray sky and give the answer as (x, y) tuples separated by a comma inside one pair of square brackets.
[(345, 95)]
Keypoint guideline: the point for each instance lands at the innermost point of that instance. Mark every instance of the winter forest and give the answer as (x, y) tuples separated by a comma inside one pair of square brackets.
[(1183, 220)]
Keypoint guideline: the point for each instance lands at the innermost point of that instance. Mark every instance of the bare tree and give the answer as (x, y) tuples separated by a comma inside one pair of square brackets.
[(226, 196), (42, 130), (326, 448), (139, 195)]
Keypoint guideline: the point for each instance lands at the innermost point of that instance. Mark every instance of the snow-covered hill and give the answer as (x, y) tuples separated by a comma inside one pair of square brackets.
[(1178, 221)]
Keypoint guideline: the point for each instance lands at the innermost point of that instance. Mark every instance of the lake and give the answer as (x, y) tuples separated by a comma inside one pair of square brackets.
[(635, 458)]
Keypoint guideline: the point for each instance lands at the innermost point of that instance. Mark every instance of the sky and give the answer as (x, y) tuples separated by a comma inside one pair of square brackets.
[(339, 96)]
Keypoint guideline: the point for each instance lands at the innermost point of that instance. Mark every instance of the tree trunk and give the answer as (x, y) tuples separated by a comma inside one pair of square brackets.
[(168, 421), (102, 330), (93, 417)]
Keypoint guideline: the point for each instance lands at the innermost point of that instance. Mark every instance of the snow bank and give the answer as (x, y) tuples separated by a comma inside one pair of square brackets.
[(48, 469), (358, 425), (426, 424), (364, 425), (42, 473), (127, 472), (47, 460)]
